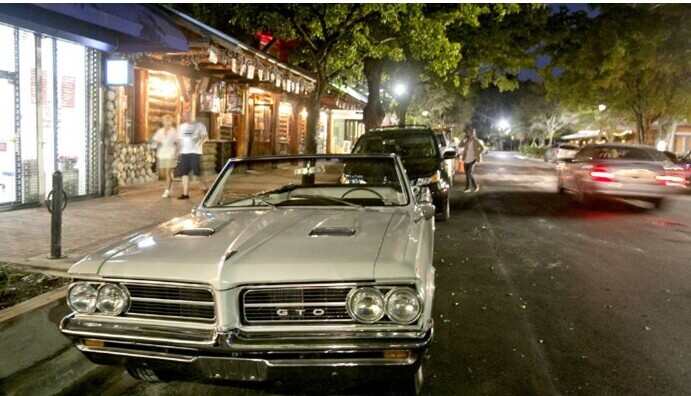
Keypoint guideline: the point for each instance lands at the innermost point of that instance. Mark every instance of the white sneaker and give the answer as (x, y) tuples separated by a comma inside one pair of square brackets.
[(166, 194)]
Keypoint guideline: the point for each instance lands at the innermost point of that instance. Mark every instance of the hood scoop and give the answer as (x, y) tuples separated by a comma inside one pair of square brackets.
[(332, 231), (196, 232)]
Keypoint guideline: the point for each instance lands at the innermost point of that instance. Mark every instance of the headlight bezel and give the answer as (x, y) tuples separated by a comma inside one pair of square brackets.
[(94, 307), (390, 294), (125, 294), (71, 305), (351, 295)]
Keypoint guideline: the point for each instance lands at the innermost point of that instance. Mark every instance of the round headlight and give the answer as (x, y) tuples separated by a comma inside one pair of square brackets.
[(112, 299), (82, 298), (402, 305), (366, 304)]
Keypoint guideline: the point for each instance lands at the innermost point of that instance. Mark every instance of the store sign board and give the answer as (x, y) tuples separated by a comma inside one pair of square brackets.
[(67, 88)]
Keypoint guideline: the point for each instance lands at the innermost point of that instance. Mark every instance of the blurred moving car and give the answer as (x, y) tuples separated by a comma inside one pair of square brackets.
[(560, 152), (424, 161), (620, 171), (445, 142), (684, 161)]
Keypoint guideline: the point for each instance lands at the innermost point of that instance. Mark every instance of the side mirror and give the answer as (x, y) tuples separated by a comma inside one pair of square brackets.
[(428, 211), (450, 154)]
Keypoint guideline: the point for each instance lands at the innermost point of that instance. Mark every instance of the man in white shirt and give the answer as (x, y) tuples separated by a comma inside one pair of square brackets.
[(191, 138), (473, 148)]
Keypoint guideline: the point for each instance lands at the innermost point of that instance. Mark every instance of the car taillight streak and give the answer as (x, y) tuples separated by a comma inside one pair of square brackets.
[(600, 173)]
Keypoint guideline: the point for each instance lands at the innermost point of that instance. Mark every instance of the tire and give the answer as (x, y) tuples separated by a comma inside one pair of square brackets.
[(143, 374), (445, 213), (659, 203), (412, 383)]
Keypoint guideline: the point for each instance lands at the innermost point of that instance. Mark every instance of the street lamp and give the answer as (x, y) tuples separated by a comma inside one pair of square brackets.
[(602, 107), (503, 125), (425, 113), (400, 89)]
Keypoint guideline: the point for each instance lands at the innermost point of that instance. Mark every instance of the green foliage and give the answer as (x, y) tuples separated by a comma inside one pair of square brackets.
[(635, 59), (532, 151)]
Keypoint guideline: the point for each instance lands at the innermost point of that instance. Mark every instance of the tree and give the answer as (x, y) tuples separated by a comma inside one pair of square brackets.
[(540, 116), (634, 59), (333, 39)]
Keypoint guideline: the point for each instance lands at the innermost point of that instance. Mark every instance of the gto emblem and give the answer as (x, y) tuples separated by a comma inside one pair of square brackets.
[(300, 312)]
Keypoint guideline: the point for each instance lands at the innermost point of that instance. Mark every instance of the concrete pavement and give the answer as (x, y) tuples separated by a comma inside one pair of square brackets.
[(88, 224)]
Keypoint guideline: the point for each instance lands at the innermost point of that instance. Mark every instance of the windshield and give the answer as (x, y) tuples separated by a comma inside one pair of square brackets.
[(312, 181), (406, 145)]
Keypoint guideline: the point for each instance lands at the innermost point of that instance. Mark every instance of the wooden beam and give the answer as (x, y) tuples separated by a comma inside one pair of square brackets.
[(170, 68)]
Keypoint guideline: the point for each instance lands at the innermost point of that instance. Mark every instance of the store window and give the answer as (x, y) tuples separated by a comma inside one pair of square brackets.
[(49, 117)]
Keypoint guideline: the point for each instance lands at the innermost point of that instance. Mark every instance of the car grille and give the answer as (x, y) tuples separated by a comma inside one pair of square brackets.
[(178, 302), (299, 305)]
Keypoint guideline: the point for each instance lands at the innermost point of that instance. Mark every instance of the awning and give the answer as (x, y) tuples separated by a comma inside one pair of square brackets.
[(584, 134), (106, 27)]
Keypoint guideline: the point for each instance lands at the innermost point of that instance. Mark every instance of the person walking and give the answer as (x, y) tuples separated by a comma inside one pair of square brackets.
[(191, 138), (165, 139), (473, 148)]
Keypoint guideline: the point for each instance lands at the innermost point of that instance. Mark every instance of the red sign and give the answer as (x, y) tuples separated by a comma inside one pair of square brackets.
[(67, 91), (3, 146)]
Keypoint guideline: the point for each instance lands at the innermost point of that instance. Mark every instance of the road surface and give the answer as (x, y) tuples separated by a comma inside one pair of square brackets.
[(538, 296)]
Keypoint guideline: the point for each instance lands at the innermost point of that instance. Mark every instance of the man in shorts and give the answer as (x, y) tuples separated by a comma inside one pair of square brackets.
[(191, 138)]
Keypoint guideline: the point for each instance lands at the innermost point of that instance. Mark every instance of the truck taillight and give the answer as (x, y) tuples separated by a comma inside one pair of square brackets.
[(600, 173)]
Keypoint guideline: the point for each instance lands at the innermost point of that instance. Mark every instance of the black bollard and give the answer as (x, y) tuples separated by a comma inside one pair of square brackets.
[(56, 206)]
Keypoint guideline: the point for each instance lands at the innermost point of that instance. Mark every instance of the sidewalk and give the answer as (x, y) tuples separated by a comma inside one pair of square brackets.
[(87, 225)]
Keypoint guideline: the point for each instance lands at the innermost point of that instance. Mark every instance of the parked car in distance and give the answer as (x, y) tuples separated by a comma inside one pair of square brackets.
[(560, 152), (445, 143), (422, 158), (620, 171), (318, 262)]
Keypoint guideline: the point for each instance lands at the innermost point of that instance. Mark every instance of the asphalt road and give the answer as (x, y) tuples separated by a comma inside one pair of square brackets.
[(536, 296)]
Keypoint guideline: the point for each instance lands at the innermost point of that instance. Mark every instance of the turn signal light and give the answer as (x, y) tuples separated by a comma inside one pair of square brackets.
[(395, 354), (91, 343)]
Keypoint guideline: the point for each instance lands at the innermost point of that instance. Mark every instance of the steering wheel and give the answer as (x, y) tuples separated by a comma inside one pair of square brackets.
[(363, 189)]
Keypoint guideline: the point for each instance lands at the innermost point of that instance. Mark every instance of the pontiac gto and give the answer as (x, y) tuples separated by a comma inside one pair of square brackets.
[(318, 262)]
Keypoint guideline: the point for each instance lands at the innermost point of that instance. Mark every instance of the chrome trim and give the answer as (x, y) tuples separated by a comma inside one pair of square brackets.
[(173, 285), (244, 289), (99, 327), (143, 354), (269, 305), (180, 302)]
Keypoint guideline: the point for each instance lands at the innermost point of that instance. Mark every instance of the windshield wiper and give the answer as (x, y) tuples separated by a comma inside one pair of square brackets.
[(327, 198)]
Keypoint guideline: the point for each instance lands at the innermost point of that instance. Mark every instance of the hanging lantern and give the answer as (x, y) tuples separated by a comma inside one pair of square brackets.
[(234, 65), (250, 71)]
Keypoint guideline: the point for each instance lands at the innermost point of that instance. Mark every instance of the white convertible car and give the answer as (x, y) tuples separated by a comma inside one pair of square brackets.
[(317, 262)]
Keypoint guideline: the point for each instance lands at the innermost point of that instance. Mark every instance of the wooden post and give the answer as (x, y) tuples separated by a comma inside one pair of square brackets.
[(141, 100), (329, 131)]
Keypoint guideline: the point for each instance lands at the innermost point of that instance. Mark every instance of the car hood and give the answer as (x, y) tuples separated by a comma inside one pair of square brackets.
[(231, 248)]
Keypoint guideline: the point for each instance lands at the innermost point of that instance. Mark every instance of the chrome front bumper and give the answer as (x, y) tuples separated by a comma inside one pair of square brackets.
[(237, 355)]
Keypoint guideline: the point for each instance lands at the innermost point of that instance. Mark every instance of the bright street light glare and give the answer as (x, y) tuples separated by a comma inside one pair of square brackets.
[(425, 113), (399, 89), (503, 124), (602, 107)]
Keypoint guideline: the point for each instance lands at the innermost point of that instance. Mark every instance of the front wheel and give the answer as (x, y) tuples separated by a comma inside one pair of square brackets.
[(445, 213)]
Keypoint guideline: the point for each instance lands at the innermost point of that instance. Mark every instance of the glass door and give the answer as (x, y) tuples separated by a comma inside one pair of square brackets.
[(9, 155), (8, 147)]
